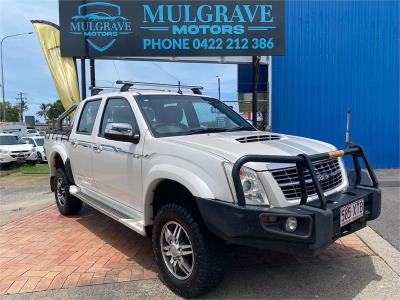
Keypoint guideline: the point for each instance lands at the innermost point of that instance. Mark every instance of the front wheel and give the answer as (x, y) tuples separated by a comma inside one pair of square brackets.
[(190, 259), (39, 158)]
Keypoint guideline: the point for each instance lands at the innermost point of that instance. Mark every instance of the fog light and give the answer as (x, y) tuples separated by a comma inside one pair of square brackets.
[(291, 224)]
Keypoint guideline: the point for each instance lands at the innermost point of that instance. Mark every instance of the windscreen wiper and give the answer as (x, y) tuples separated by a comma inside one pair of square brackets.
[(241, 128), (205, 130)]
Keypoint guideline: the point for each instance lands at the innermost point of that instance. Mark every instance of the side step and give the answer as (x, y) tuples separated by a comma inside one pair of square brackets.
[(135, 224)]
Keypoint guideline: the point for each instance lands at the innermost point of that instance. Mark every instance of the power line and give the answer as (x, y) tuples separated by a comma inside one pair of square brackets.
[(22, 103), (165, 71), (116, 69)]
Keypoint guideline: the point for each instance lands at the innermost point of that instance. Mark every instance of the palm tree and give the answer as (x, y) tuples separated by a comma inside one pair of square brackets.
[(43, 109)]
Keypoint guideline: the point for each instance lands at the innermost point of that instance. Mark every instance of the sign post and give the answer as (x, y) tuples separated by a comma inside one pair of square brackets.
[(255, 67)]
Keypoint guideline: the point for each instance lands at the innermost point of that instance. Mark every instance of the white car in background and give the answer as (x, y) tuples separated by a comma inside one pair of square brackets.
[(14, 151), (37, 142), (32, 132)]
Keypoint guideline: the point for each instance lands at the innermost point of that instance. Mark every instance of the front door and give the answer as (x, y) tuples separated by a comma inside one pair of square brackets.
[(116, 164)]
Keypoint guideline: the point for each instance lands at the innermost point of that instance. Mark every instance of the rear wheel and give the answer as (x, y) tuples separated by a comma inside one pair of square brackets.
[(190, 259), (66, 203)]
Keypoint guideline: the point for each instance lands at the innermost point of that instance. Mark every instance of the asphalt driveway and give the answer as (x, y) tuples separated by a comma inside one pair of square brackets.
[(388, 224), (20, 195)]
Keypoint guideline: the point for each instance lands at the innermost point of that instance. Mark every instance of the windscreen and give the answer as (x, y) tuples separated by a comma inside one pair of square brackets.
[(173, 115), (9, 140)]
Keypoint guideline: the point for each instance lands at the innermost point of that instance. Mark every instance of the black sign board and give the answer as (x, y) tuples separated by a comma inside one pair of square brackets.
[(172, 28)]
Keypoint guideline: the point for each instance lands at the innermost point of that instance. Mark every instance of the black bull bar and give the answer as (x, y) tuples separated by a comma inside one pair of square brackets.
[(305, 162)]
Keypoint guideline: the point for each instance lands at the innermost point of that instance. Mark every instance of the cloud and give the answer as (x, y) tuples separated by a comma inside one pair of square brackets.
[(25, 68)]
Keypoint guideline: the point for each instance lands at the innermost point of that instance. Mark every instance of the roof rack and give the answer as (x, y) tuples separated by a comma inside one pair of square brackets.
[(126, 85), (98, 89)]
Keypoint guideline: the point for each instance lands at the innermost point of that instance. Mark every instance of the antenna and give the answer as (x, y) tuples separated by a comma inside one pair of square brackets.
[(179, 88), (348, 141)]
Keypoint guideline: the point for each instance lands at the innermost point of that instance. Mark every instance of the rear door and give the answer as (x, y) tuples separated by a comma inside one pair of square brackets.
[(81, 145), (116, 164)]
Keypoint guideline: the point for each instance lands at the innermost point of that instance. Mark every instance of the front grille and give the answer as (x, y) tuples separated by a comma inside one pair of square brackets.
[(19, 155), (328, 173)]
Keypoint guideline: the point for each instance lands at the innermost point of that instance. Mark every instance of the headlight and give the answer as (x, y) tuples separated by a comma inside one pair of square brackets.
[(253, 190), (3, 151)]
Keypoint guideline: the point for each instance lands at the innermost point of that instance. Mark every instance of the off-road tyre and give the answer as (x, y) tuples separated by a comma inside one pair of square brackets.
[(67, 204), (208, 253)]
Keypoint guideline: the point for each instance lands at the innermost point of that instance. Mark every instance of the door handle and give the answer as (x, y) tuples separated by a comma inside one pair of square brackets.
[(97, 148), (74, 143)]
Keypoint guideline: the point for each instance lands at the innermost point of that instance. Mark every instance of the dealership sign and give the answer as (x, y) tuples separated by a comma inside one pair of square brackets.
[(172, 28)]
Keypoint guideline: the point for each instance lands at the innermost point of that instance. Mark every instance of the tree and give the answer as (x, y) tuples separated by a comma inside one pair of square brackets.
[(43, 109), (55, 110), (12, 112)]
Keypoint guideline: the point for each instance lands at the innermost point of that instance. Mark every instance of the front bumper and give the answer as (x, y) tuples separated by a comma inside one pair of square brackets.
[(32, 157), (6, 158), (318, 220), (318, 228), (18, 158)]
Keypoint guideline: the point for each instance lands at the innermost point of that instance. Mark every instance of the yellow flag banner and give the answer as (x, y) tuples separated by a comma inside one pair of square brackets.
[(62, 69)]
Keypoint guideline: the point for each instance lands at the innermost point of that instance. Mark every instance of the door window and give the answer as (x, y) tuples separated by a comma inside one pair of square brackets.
[(117, 110), (88, 117), (39, 142)]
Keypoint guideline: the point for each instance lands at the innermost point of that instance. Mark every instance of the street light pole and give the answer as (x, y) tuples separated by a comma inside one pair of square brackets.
[(2, 71), (219, 88)]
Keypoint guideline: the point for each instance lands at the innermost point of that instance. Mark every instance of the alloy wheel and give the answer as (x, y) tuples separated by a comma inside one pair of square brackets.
[(61, 191), (177, 250)]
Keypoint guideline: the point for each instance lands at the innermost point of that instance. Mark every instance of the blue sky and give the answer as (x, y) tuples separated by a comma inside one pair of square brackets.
[(25, 69)]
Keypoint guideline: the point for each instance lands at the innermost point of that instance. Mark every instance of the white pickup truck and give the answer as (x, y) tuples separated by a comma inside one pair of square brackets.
[(188, 172)]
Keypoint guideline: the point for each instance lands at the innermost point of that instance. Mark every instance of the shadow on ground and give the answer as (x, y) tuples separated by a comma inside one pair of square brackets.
[(125, 240), (253, 273), (338, 278)]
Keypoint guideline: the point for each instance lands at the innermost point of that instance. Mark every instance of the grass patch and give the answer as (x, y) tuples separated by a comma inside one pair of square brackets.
[(42, 169), (38, 169)]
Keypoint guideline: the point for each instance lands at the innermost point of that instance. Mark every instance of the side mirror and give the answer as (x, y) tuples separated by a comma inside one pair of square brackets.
[(122, 132)]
